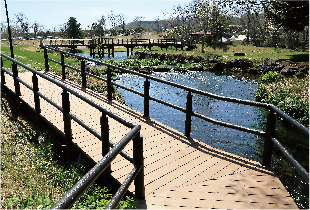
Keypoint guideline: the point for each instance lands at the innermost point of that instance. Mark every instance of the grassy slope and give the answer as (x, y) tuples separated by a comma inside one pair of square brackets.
[(28, 164)]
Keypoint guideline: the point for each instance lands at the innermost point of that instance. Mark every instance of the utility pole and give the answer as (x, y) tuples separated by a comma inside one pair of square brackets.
[(9, 30)]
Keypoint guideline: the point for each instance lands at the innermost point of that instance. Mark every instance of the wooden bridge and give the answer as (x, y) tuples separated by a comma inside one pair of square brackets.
[(98, 46), (179, 171)]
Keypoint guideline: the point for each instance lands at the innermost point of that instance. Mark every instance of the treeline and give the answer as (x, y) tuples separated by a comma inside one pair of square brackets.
[(283, 24)]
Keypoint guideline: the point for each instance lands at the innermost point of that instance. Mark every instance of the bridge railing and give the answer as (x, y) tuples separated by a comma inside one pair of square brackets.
[(66, 42), (268, 134), (117, 41), (103, 166)]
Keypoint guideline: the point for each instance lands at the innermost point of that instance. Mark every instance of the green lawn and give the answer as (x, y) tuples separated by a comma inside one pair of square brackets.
[(33, 56)]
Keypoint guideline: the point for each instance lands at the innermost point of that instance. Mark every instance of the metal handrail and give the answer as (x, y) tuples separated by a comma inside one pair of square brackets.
[(79, 188), (269, 107), (84, 183)]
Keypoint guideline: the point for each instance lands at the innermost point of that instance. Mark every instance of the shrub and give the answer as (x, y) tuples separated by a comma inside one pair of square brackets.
[(270, 77)]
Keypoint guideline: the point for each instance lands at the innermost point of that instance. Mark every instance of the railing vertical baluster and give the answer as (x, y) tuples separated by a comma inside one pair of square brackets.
[(36, 97), (188, 121), (2, 73), (109, 86), (67, 124), (139, 162), (46, 60), (63, 67), (270, 128), (104, 121), (83, 74), (147, 98)]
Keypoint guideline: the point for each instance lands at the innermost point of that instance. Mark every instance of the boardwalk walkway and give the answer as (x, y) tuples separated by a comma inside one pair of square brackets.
[(180, 172)]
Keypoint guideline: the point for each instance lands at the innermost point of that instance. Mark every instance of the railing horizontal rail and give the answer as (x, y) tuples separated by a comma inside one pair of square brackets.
[(69, 39), (71, 67), (168, 104), (229, 125), (128, 89), (24, 83), (50, 101), (85, 125), (291, 159), (123, 188), (8, 72), (290, 120), (50, 59)]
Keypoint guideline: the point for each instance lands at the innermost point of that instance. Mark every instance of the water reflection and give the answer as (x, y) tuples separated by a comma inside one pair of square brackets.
[(119, 56)]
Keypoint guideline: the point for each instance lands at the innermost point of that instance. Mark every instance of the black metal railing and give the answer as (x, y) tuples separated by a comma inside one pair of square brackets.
[(103, 166), (271, 120)]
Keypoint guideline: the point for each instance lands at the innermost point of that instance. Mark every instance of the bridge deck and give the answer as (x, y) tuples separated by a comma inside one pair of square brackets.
[(179, 172)]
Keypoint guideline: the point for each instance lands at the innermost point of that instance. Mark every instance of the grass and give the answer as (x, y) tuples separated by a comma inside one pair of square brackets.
[(28, 160), (33, 56), (226, 52)]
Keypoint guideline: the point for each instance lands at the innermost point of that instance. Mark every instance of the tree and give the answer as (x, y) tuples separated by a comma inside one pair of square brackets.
[(138, 30), (218, 24), (72, 29), (99, 27), (113, 21), (292, 15), (23, 21)]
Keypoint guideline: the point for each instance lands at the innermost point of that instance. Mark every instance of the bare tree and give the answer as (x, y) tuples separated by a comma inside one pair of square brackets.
[(121, 22), (22, 20), (113, 22)]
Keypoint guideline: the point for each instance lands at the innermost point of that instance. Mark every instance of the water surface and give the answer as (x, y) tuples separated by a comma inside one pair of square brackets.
[(230, 140)]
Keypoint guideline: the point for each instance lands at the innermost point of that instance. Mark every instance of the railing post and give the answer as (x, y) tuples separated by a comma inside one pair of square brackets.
[(83, 74), (36, 96), (188, 121), (109, 86), (67, 124), (63, 67), (147, 98), (16, 83), (139, 162), (46, 60), (270, 128), (104, 121), (2, 74)]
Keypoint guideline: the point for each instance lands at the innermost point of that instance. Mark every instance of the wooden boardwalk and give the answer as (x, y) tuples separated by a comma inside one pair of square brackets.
[(180, 172)]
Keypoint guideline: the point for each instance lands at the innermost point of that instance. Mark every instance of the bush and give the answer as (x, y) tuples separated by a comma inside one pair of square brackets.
[(291, 105), (270, 77)]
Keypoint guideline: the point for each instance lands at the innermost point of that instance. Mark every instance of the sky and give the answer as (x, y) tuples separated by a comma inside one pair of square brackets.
[(52, 13)]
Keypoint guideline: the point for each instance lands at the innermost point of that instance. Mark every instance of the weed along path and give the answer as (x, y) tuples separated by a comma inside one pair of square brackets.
[(180, 172)]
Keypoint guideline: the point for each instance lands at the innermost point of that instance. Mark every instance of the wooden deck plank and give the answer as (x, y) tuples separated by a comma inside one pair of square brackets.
[(180, 172)]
